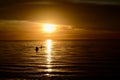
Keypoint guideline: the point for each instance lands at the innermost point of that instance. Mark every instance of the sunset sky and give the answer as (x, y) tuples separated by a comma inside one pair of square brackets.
[(74, 19)]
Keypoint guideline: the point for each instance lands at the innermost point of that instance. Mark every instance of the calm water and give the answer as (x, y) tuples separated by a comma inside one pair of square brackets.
[(60, 60)]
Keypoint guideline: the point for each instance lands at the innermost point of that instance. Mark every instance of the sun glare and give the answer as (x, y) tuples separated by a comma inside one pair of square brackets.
[(49, 28)]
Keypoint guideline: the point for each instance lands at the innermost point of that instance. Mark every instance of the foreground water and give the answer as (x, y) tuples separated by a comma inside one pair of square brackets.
[(60, 60)]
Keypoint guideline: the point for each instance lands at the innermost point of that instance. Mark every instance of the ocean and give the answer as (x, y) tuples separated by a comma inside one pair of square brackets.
[(59, 59)]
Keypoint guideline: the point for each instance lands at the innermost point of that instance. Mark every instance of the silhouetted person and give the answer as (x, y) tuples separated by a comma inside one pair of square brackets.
[(36, 49), (41, 46)]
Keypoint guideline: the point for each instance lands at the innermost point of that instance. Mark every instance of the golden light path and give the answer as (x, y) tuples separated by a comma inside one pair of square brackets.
[(49, 28), (49, 59), (48, 50)]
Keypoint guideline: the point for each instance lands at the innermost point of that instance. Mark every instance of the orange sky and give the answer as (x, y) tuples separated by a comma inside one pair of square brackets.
[(21, 20), (28, 30)]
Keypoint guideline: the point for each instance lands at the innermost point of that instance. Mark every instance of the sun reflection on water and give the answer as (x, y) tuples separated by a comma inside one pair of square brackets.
[(48, 55), (48, 50)]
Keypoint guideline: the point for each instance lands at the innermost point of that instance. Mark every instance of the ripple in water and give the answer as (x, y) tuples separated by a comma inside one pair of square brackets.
[(59, 60)]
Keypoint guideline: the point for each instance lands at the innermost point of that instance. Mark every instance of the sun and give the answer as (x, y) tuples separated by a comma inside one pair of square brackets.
[(49, 28)]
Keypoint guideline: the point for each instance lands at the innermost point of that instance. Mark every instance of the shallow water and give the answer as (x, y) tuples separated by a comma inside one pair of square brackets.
[(59, 60)]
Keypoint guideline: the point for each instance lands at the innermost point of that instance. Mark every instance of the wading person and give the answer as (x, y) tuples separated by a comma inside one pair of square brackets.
[(36, 49)]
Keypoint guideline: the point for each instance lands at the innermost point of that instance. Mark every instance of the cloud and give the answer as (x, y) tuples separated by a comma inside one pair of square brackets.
[(25, 25), (26, 30), (15, 22), (30, 30), (40, 3), (16, 25), (103, 2)]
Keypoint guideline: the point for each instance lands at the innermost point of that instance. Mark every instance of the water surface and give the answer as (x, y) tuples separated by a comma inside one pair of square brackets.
[(59, 60)]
